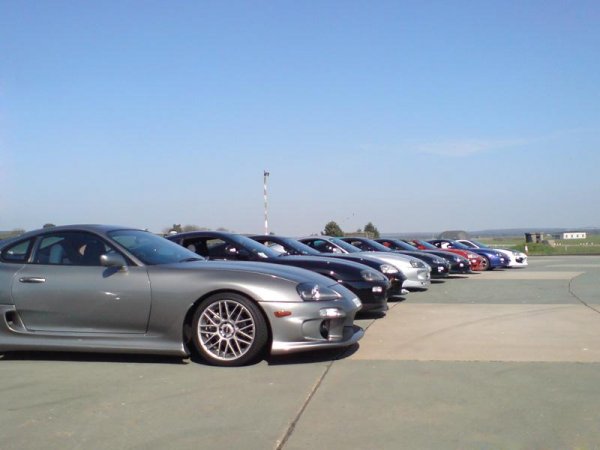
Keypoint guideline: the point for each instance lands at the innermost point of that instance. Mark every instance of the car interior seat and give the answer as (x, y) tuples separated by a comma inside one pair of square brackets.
[(91, 255)]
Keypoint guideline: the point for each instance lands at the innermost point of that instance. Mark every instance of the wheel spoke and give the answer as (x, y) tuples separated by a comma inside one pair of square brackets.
[(226, 329), (231, 348), (214, 344), (246, 335)]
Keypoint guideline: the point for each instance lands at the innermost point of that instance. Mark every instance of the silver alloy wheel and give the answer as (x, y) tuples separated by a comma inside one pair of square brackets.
[(226, 330)]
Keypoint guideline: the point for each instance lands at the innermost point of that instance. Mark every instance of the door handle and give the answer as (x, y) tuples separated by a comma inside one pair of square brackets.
[(32, 280)]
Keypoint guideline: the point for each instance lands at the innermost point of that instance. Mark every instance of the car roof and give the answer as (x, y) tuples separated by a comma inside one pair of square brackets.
[(94, 228)]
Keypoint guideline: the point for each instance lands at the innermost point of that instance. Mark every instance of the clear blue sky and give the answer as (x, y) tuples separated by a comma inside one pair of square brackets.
[(417, 116)]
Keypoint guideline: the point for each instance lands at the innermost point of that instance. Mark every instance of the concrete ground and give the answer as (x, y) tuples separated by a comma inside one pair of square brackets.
[(498, 360)]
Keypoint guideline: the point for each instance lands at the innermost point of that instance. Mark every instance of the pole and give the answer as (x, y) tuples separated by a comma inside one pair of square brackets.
[(265, 176)]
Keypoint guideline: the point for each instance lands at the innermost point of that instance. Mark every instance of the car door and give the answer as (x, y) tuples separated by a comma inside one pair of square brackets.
[(65, 289)]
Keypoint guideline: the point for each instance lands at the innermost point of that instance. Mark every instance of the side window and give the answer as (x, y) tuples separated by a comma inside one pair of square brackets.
[(17, 253), (196, 245), (322, 246), (71, 248), (275, 246), (359, 244), (216, 248), (312, 244)]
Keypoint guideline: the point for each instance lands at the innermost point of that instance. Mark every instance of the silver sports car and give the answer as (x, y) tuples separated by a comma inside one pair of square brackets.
[(112, 289)]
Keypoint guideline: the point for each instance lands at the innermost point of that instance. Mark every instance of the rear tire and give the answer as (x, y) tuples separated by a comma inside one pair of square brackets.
[(229, 330)]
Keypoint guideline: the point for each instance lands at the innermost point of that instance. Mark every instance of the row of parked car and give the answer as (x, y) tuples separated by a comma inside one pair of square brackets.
[(229, 298)]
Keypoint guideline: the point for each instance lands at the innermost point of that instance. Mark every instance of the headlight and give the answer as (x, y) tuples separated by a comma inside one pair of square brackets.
[(417, 263), (471, 256), (312, 292), (371, 275), (439, 261), (388, 269)]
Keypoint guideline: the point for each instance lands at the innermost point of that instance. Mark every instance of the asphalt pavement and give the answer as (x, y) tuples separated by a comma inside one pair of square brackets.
[(498, 360)]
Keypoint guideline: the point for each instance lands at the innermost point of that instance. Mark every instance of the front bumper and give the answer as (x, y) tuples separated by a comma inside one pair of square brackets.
[(417, 278), (306, 329), (460, 267), (440, 270), (518, 261), (477, 264), (372, 295), (497, 262), (397, 281)]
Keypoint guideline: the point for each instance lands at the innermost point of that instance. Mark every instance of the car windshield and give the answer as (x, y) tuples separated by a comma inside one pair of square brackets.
[(456, 244), (427, 245), (403, 245), (349, 248), (378, 247), (152, 249), (479, 244), (255, 247)]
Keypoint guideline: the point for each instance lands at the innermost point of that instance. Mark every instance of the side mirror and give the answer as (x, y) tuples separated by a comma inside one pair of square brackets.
[(113, 260)]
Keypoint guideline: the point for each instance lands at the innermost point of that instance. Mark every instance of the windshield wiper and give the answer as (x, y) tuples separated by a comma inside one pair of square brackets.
[(191, 259)]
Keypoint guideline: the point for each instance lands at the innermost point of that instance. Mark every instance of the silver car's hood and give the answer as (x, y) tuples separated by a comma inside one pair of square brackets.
[(289, 273), (396, 259)]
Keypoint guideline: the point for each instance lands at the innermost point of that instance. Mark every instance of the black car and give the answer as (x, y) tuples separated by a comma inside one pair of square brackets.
[(458, 264), (291, 246), (369, 285), (439, 267)]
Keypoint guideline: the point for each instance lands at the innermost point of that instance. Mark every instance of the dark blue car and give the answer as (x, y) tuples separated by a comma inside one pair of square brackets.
[(492, 258)]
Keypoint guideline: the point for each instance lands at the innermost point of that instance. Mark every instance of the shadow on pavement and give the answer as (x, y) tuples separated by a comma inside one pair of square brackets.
[(396, 299), (315, 356), (92, 357), (370, 315)]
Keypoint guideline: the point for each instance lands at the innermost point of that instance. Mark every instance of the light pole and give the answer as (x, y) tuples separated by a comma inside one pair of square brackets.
[(265, 176)]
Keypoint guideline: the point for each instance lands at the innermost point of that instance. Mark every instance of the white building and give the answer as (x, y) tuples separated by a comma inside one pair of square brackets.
[(574, 235)]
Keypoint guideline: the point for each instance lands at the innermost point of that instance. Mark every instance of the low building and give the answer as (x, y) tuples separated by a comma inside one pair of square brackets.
[(574, 235)]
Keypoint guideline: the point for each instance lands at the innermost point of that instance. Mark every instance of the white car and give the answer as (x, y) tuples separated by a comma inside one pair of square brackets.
[(516, 258)]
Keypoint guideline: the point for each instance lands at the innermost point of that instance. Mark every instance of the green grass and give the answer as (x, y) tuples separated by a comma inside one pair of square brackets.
[(589, 246)]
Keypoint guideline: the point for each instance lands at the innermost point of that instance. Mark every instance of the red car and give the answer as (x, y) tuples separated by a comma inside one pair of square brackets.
[(476, 261)]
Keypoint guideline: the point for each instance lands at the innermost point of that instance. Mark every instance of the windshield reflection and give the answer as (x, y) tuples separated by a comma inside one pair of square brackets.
[(152, 249)]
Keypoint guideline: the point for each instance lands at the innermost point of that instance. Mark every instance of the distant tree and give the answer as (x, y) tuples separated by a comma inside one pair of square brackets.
[(48, 225), (176, 228), (371, 230), (187, 228), (11, 233), (333, 229)]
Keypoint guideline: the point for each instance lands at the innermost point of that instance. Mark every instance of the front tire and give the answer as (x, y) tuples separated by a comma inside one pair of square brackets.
[(229, 330), (485, 263)]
